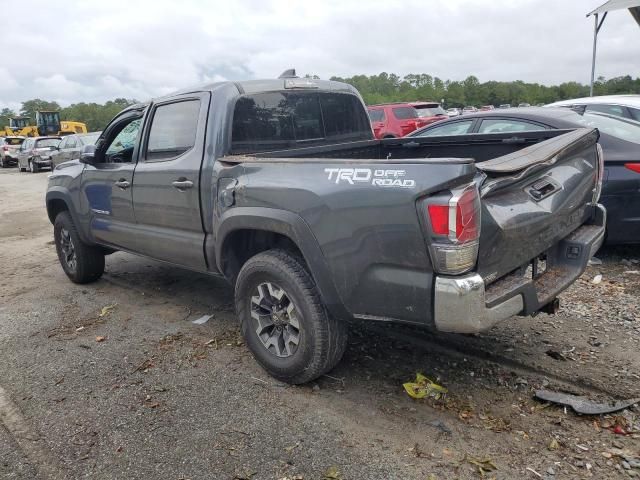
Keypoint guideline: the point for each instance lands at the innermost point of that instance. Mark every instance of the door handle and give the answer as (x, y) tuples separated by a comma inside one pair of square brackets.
[(182, 184), (122, 183)]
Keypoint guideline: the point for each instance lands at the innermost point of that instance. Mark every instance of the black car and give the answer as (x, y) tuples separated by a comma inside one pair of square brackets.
[(619, 138), (71, 147)]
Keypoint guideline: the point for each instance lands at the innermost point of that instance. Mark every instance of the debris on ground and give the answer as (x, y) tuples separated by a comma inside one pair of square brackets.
[(440, 425), (582, 404), (332, 473), (556, 355), (106, 310), (485, 465), (595, 261), (424, 387), (597, 279), (202, 320), (100, 338)]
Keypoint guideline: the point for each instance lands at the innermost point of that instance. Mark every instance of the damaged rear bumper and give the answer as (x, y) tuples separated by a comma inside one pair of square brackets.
[(464, 304)]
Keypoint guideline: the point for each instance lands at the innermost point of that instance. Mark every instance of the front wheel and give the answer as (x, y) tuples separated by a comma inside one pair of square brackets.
[(81, 262), (283, 319)]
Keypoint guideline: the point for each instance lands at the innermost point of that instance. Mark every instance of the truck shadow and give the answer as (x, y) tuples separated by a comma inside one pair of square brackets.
[(387, 355)]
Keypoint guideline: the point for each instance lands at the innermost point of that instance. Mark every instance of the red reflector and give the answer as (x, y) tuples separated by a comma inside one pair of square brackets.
[(439, 217), (467, 216), (634, 167)]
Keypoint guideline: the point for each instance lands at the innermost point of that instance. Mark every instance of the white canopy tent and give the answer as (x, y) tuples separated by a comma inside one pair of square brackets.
[(634, 9)]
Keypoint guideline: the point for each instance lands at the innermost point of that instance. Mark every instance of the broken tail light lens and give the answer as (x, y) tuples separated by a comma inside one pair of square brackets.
[(454, 230)]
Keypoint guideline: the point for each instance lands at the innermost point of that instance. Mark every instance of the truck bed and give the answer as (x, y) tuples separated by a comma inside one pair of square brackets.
[(372, 237)]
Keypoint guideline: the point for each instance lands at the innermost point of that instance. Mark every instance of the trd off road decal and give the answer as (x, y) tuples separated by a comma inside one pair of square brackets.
[(377, 177)]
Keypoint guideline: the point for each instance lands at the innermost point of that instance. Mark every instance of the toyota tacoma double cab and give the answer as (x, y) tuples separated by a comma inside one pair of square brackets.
[(279, 186)]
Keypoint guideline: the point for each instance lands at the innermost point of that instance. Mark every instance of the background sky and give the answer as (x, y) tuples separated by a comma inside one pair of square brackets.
[(99, 50)]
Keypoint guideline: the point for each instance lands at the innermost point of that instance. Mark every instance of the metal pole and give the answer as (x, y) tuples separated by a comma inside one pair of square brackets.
[(593, 59)]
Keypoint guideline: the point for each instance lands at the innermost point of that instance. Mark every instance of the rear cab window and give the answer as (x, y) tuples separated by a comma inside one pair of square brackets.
[(280, 120), (13, 141), (405, 113)]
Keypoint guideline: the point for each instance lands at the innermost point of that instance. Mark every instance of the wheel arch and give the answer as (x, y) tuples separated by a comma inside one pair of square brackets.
[(246, 231)]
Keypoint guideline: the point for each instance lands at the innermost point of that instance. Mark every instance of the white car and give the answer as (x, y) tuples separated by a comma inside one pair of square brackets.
[(453, 112), (626, 106)]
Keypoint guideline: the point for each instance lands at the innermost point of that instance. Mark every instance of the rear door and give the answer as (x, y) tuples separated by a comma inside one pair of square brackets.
[(166, 182)]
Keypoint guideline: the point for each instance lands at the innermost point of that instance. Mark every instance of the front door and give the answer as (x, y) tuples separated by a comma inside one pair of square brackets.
[(106, 184), (166, 181)]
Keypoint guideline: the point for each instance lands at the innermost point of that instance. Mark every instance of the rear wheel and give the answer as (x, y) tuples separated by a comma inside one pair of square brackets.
[(81, 262), (283, 319)]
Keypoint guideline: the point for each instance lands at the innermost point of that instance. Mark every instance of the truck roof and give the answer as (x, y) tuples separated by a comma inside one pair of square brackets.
[(259, 86), (273, 85)]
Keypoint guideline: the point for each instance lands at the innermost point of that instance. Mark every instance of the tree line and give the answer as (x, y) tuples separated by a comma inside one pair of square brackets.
[(389, 87), (95, 115), (381, 88)]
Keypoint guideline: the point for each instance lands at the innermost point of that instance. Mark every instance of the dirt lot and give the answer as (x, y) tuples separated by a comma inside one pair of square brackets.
[(139, 391)]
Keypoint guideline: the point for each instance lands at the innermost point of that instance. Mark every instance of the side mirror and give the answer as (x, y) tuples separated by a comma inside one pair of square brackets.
[(88, 154)]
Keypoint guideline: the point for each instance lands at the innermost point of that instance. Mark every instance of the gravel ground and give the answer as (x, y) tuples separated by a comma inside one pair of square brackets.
[(139, 391)]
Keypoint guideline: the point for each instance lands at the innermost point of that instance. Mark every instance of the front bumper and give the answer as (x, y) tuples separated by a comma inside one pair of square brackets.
[(42, 162), (464, 304)]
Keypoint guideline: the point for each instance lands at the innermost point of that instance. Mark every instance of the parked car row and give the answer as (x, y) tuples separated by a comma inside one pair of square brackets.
[(394, 120), (619, 140), (33, 154)]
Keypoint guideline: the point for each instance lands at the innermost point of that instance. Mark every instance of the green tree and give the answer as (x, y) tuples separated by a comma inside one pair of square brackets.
[(5, 115), (30, 107)]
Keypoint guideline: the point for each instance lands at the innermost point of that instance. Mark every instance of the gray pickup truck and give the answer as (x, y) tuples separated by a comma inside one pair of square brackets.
[(279, 186)]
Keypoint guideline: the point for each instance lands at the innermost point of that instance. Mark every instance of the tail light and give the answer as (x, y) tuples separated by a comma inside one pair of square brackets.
[(634, 167), (453, 221), (5, 148), (599, 174)]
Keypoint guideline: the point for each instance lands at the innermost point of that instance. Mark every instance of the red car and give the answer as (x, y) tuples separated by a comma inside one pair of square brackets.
[(392, 120)]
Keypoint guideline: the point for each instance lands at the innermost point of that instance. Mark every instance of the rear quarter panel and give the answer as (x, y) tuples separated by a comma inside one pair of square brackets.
[(369, 234)]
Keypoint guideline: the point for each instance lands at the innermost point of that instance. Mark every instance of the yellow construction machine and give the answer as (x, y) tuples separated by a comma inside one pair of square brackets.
[(47, 123)]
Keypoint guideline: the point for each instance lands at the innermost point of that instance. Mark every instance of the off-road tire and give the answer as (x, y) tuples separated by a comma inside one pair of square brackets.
[(322, 338), (89, 265)]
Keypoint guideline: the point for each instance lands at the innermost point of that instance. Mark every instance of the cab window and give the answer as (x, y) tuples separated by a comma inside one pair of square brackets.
[(120, 148), (173, 130)]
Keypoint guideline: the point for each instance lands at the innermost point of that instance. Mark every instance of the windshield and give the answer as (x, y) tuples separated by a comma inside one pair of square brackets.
[(49, 118), (47, 142), (625, 130), (13, 141), (18, 122), (279, 120), (89, 139), (429, 111)]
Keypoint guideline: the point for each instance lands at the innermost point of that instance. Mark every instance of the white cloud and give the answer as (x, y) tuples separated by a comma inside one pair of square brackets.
[(140, 49)]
